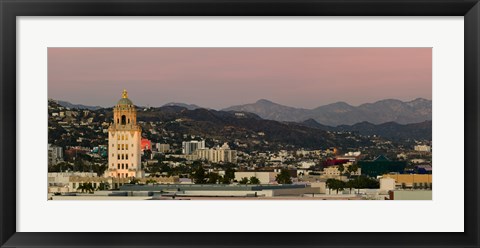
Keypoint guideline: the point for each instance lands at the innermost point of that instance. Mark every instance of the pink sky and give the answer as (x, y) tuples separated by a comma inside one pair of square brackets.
[(221, 77)]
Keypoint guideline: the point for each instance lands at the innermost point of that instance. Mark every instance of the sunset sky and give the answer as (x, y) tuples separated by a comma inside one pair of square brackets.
[(221, 77)]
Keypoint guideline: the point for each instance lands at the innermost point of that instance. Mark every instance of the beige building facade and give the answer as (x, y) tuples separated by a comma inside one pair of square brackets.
[(124, 141)]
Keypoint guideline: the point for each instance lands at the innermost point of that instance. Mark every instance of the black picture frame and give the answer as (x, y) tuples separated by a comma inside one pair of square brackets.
[(10, 9)]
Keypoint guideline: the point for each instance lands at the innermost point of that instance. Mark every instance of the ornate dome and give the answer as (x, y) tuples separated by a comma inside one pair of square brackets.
[(124, 100)]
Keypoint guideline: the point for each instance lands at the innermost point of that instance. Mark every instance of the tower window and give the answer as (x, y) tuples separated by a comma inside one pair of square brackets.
[(124, 119)]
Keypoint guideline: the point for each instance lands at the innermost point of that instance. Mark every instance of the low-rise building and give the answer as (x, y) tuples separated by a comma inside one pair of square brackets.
[(265, 177)]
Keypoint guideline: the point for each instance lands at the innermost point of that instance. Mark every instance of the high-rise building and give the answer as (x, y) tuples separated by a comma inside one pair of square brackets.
[(55, 154), (188, 147), (124, 136), (217, 154)]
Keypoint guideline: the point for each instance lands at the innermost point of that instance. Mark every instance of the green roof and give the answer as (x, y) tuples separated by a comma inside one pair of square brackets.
[(124, 101)]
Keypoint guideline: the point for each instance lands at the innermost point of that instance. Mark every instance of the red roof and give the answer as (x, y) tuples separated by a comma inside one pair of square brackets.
[(146, 144)]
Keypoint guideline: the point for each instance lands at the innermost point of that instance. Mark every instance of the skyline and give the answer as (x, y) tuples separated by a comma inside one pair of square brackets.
[(222, 77)]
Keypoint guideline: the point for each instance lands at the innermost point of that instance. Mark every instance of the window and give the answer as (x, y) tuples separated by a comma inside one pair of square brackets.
[(132, 154), (123, 157), (118, 156), (118, 166), (118, 148), (126, 147), (123, 166), (129, 121), (123, 146), (126, 166), (123, 137), (113, 155), (126, 156), (124, 119)]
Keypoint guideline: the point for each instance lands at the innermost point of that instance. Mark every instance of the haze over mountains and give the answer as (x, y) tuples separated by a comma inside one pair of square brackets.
[(335, 114), (341, 113)]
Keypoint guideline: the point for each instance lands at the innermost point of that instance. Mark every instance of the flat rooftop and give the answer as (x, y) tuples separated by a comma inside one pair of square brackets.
[(207, 187)]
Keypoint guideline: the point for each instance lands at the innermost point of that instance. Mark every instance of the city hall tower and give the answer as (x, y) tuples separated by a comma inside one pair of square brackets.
[(124, 136)]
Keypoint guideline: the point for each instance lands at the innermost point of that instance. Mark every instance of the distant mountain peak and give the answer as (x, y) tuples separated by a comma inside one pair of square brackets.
[(77, 106), (342, 113), (265, 101), (185, 105)]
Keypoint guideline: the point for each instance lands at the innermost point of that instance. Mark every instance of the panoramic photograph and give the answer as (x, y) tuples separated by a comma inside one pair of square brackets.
[(239, 123)]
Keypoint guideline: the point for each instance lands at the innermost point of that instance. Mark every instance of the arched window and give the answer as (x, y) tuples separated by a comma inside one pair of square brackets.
[(124, 120)]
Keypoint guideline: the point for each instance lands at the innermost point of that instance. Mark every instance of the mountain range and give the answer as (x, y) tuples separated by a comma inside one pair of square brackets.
[(389, 130), (335, 114), (341, 113), (78, 106)]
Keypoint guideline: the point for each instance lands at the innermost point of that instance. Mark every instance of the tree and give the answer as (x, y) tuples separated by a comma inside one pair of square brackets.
[(254, 180), (225, 180), (283, 177), (352, 169), (151, 180), (88, 187), (244, 180), (335, 184), (134, 181), (341, 169), (104, 186), (213, 178), (198, 175)]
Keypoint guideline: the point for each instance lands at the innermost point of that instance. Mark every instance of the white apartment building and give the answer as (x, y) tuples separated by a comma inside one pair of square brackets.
[(188, 147), (217, 154)]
